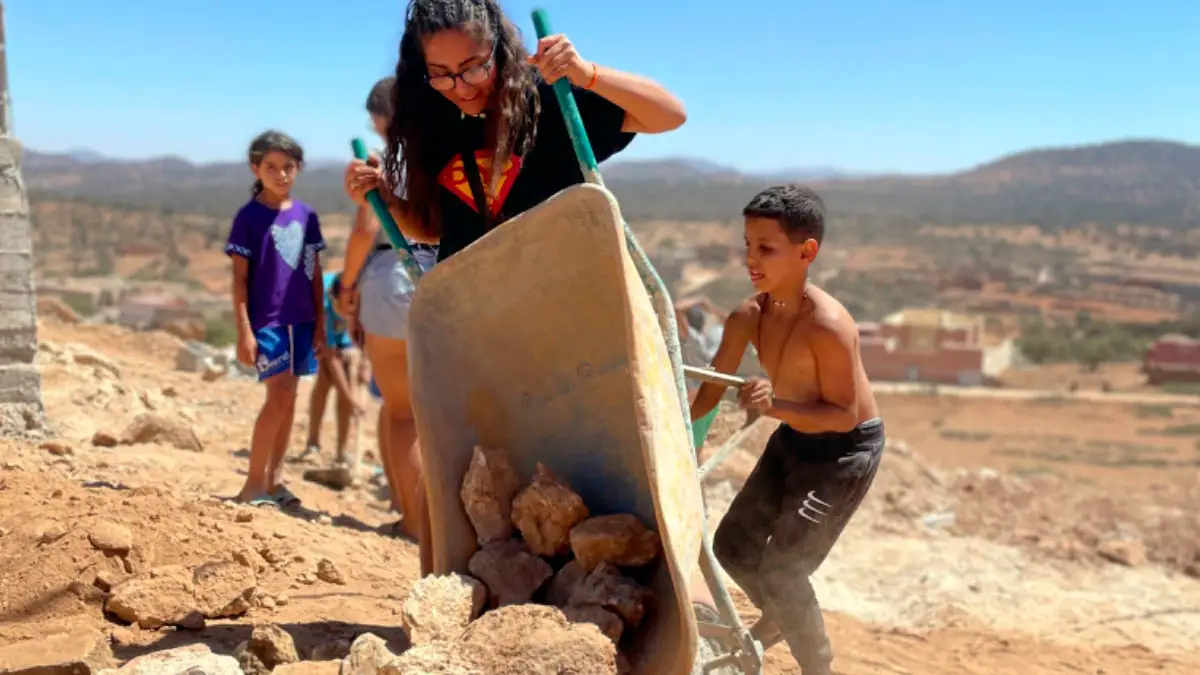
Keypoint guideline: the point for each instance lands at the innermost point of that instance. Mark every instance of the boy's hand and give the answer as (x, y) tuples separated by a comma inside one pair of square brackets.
[(757, 394), (247, 348)]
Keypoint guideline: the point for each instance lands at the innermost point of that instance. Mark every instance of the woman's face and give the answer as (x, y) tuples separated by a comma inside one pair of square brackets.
[(461, 67)]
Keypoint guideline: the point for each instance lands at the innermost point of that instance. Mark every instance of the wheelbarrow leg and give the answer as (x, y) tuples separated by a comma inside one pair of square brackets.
[(745, 654)]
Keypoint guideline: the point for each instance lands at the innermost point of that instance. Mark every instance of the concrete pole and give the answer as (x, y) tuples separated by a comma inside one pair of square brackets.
[(5, 98)]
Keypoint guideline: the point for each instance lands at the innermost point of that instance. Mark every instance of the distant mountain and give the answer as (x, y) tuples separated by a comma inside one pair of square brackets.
[(1139, 182)]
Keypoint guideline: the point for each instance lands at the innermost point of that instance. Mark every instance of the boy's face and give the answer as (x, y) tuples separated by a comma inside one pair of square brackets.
[(277, 171), (774, 261)]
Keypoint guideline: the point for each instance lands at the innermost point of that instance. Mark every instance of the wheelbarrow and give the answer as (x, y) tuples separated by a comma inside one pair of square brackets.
[(553, 337)]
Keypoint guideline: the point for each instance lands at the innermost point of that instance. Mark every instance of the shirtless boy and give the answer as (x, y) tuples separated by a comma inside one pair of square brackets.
[(820, 462)]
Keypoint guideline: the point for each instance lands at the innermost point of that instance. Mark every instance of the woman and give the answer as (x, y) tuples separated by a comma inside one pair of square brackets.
[(466, 87), (375, 280)]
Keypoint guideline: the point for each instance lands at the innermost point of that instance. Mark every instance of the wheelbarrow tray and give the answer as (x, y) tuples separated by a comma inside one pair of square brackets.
[(540, 338)]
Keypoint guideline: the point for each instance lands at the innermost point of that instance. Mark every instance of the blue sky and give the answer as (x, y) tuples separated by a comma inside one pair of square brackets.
[(872, 85)]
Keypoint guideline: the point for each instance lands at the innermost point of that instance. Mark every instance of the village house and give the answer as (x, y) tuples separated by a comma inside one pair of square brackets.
[(933, 345), (148, 310), (86, 296), (1172, 358)]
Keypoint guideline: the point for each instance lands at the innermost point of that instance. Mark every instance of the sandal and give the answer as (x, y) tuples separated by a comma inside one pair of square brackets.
[(309, 450), (263, 500), (284, 497)]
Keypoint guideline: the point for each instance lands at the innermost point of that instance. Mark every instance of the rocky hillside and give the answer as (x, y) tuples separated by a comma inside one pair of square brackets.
[(1141, 182)]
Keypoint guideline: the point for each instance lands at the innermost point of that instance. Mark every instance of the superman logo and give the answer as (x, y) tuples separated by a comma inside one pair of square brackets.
[(454, 178)]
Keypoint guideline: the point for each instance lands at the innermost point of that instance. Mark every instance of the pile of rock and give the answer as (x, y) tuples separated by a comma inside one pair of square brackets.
[(538, 545)]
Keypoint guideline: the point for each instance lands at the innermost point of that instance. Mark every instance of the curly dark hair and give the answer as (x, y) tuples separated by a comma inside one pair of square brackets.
[(423, 116), (272, 141)]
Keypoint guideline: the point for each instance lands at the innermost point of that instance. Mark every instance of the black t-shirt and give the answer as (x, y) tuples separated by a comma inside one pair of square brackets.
[(550, 166)]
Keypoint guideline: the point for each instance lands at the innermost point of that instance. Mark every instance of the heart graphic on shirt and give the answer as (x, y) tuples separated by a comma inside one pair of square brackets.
[(289, 242)]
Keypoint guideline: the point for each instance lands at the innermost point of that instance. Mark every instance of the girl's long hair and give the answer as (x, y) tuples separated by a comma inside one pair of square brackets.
[(272, 141), (424, 117)]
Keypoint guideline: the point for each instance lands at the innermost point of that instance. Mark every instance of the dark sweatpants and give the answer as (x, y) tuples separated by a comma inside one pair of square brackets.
[(785, 520)]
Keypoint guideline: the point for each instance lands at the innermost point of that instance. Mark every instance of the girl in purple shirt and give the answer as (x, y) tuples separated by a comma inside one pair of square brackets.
[(275, 243)]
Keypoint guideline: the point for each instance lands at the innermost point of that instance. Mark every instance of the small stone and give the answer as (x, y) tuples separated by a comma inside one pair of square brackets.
[(248, 661), (108, 579), (330, 651), (621, 539), (1128, 552), (535, 639), (510, 571), (153, 428), (368, 654), (441, 658), (58, 449), (313, 667), (81, 652), (606, 587), (440, 607), (110, 537), (271, 555), (48, 531), (100, 362), (243, 516), (329, 573), (610, 624), (166, 597), (487, 494), (565, 582), (105, 439), (223, 588), (195, 659), (245, 557), (546, 511), (272, 645)]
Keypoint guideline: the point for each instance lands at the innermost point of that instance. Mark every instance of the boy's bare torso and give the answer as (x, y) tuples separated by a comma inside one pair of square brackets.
[(783, 337)]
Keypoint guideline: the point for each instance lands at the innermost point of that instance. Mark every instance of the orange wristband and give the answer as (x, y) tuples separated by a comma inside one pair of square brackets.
[(595, 76)]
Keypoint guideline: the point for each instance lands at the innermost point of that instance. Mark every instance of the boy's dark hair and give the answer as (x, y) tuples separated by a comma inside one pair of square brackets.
[(272, 141), (798, 209), (335, 285), (379, 101)]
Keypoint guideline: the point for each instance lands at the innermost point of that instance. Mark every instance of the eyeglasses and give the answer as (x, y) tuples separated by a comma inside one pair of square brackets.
[(473, 76)]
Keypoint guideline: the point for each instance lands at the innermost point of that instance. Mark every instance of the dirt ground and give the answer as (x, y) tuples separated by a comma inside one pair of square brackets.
[(967, 557)]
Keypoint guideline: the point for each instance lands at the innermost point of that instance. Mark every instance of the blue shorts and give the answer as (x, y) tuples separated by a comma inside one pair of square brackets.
[(283, 349)]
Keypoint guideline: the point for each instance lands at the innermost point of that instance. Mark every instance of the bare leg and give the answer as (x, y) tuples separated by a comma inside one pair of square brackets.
[(284, 434), (385, 458), (389, 358), (316, 406), (344, 409), (275, 415)]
